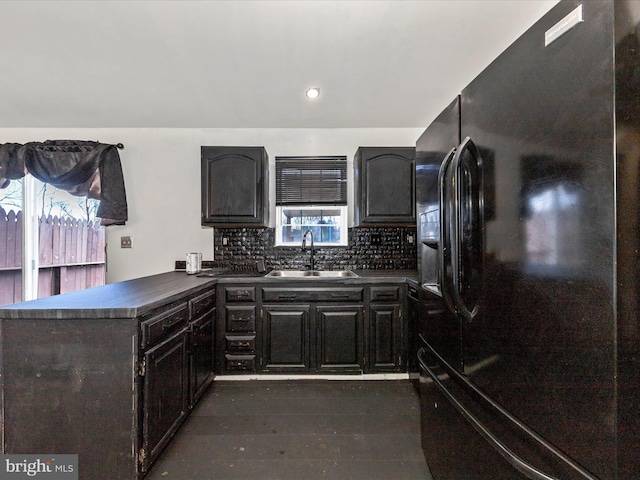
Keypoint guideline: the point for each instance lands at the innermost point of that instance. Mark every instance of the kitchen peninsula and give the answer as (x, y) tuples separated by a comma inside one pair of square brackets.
[(110, 373)]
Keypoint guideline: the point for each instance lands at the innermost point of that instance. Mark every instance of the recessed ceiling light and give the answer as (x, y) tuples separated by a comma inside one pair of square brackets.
[(313, 92)]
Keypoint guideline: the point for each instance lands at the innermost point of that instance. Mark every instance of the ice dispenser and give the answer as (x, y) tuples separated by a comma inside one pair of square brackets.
[(430, 227)]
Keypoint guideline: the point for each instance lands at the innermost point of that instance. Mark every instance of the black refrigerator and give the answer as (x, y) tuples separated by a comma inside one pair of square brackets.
[(530, 236)]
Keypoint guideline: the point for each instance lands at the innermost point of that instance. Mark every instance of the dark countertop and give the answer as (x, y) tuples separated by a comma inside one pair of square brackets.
[(115, 300), (134, 297), (379, 275), (365, 277)]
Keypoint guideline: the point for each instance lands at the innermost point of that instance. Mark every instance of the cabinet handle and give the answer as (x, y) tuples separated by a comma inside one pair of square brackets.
[(241, 295), (339, 295), (287, 297)]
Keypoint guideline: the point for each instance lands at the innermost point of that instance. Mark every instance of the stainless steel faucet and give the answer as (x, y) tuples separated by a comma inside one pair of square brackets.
[(304, 246)]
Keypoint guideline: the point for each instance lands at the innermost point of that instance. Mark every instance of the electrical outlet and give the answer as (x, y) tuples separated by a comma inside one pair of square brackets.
[(225, 241), (376, 239), (125, 242), (410, 239)]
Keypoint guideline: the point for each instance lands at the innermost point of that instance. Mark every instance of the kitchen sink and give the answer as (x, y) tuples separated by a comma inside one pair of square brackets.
[(311, 274)]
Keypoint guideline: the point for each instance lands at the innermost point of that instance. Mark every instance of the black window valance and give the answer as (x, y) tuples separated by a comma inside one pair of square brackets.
[(311, 180), (82, 168)]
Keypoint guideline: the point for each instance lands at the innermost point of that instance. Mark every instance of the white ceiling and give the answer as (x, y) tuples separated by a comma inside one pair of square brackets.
[(207, 64)]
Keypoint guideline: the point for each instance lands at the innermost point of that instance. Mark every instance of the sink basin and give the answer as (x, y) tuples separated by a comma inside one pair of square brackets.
[(311, 274), (334, 274), (290, 273)]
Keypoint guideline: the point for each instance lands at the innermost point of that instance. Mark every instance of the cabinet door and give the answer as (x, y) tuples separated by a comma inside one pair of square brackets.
[(286, 338), (234, 186), (339, 342), (385, 186), (200, 356), (384, 349), (164, 395)]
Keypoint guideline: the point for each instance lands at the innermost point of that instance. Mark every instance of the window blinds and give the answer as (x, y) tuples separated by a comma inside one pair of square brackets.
[(311, 180)]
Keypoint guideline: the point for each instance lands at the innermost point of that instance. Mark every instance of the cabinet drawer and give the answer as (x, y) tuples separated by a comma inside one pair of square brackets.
[(240, 294), (241, 319), (385, 294), (202, 304), (240, 343), (160, 326), (351, 294), (240, 362)]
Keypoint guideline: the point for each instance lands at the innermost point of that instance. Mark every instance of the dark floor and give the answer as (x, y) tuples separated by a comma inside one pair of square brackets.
[(299, 429)]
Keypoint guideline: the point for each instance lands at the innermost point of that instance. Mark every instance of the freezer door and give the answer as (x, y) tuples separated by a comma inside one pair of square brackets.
[(467, 436)]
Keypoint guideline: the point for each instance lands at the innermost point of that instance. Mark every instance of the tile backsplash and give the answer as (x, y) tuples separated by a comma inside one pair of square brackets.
[(375, 248)]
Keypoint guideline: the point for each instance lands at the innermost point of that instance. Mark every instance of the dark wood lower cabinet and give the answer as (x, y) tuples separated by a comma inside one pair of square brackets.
[(165, 399), (200, 352), (236, 329), (174, 371), (106, 373), (285, 328), (386, 342), (286, 338), (312, 329), (340, 338), (312, 338), (384, 338)]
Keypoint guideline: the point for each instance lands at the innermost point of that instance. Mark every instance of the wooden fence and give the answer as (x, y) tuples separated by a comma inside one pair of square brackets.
[(71, 256)]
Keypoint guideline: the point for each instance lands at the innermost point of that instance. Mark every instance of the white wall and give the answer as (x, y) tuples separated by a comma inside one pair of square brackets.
[(162, 178)]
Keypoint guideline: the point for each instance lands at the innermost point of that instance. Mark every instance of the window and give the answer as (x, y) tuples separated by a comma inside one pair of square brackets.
[(63, 242), (311, 193), (328, 225)]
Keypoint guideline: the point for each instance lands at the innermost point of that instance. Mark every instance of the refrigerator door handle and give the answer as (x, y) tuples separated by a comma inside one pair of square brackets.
[(446, 192), (469, 207), (515, 461)]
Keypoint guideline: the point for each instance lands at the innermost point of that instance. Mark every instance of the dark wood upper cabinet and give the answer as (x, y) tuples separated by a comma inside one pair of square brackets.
[(235, 186), (384, 186)]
